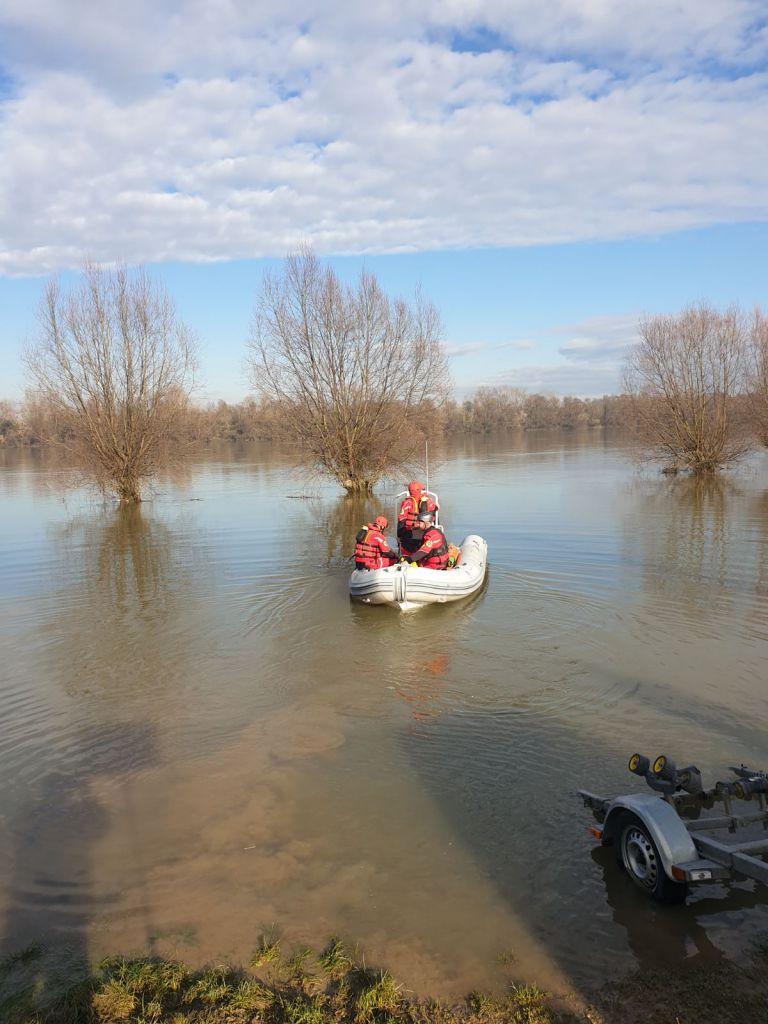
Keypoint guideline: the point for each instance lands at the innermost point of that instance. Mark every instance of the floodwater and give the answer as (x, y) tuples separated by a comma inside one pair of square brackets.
[(201, 737)]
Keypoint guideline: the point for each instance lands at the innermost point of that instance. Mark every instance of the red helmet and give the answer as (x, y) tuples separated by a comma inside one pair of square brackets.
[(415, 488), (381, 522)]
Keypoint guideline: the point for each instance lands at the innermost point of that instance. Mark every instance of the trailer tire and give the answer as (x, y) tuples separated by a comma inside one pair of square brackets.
[(639, 856)]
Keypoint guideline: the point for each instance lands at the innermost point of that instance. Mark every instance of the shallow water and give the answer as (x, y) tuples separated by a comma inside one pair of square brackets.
[(201, 736)]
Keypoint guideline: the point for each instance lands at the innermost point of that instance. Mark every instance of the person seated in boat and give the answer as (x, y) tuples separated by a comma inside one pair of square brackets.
[(372, 550), (433, 552), (410, 532)]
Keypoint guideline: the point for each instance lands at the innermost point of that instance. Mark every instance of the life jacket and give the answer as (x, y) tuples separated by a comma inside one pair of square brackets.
[(409, 528), (368, 548), (438, 555)]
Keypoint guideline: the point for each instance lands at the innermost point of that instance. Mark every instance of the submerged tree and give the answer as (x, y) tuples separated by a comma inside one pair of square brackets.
[(113, 366), (358, 375), (686, 374)]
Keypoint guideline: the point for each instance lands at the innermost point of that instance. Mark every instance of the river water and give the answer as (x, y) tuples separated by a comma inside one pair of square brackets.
[(202, 738)]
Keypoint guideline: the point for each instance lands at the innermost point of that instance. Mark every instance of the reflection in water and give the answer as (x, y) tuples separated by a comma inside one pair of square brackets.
[(760, 517), (424, 671), (335, 524), (663, 936), (132, 558), (202, 735), (129, 587), (685, 525)]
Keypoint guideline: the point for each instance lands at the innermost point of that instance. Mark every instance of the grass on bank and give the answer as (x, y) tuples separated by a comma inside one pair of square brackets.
[(302, 987), (335, 987)]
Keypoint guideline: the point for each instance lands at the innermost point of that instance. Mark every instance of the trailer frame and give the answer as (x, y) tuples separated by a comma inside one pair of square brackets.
[(667, 830)]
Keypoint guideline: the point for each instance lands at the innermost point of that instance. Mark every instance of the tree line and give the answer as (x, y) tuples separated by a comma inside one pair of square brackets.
[(489, 410), (354, 379)]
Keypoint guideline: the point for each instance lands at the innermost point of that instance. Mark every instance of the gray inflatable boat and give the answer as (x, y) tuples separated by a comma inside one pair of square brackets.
[(408, 587)]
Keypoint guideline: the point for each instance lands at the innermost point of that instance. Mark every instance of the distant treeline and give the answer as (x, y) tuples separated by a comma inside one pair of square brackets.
[(489, 410), (492, 409)]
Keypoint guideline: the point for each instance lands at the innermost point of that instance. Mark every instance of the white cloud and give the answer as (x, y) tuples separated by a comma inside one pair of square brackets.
[(472, 347), (599, 339), (590, 363), (562, 378), (456, 351), (525, 345), (218, 129)]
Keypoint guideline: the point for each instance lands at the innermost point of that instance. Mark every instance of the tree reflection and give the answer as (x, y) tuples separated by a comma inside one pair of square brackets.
[(126, 618), (703, 541), (760, 512), (338, 521), (686, 524)]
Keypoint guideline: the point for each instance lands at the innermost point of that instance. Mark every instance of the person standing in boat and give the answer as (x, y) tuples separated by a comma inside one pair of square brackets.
[(372, 550), (410, 531), (433, 552)]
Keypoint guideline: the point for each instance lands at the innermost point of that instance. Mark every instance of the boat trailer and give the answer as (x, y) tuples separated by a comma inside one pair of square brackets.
[(662, 839)]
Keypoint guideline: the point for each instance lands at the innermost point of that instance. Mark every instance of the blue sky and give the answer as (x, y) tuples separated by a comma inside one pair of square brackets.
[(546, 170)]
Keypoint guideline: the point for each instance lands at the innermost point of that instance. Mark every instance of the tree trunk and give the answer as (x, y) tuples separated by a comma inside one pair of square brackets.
[(128, 491), (358, 486)]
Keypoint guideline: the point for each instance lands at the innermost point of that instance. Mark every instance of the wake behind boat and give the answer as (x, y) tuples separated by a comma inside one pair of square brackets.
[(407, 586)]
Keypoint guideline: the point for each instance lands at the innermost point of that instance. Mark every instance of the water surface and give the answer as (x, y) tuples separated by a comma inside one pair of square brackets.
[(201, 735)]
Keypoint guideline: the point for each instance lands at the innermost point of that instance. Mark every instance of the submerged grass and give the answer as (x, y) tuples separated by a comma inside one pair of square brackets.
[(334, 959), (335, 987), (267, 951), (21, 957)]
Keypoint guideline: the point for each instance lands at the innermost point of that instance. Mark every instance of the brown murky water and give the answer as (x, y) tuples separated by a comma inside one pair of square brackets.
[(201, 735)]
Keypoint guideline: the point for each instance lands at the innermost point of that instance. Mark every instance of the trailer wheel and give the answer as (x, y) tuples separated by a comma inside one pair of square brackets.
[(640, 858)]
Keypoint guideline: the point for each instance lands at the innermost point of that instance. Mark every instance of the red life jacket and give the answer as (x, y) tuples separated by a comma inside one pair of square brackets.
[(438, 554), (409, 528), (368, 549)]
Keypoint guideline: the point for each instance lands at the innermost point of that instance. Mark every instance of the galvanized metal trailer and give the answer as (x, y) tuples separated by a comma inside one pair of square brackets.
[(662, 837)]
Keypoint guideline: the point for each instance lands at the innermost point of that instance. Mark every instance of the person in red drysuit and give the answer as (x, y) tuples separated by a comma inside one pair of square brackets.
[(372, 551), (433, 552), (410, 531)]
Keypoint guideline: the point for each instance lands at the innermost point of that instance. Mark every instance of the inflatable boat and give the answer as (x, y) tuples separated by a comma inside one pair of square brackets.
[(407, 586)]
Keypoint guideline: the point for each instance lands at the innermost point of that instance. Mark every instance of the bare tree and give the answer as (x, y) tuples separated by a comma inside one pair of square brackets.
[(757, 375), (358, 376), (11, 427), (542, 412), (496, 408), (113, 366), (685, 374)]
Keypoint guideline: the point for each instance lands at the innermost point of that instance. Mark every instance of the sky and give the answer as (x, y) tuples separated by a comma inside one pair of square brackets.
[(548, 171)]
